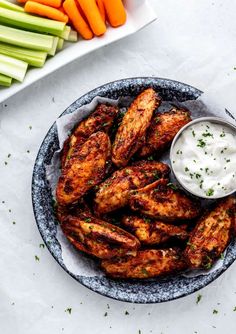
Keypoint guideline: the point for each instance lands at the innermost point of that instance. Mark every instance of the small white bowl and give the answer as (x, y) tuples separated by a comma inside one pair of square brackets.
[(217, 120)]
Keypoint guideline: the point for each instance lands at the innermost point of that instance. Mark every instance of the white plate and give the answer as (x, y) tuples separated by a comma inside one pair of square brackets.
[(139, 14)]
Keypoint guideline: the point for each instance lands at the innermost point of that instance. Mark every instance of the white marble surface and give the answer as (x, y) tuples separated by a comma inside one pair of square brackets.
[(192, 41)]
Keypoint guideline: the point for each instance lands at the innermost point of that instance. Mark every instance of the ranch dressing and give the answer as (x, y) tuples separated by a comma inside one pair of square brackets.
[(204, 159)]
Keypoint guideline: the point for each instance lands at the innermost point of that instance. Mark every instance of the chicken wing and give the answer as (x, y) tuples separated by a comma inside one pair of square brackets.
[(163, 129), (146, 264), (211, 235), (100, 120), (85, 169), (159, 200), (131, 133), (154, 232), (97, 237), (114, 192)]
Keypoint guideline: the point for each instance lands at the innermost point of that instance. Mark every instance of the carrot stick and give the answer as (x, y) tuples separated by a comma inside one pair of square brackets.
[(115, 12), (78, 22), (101, 8), (90, 9), (51, 3), (45, 11)]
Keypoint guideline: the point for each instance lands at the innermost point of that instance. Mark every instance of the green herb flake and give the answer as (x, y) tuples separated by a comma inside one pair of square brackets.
[(36, 258), (186, 169), (234, 309), (199, 297), (105, 314), (215, 312), (172, 186), (126, 313), (144, 271), (68, 310), (210, 192), (201, 143), (193, 133)]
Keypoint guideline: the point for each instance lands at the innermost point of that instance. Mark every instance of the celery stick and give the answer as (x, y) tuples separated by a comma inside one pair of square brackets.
[(54, 47), (30, 22), (9, 5), (26, 39), (32, 57), (73, 36), (60, 44), (12, 67), (65, 33), (5, 81)]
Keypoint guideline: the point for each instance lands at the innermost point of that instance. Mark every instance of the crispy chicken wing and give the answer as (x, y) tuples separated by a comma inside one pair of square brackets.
[(211, 235), (97, 237), (131, 133), (114, 192), (159, 200), (100, 120), (155, 232), (163, 129), (85, 168), (146, 264)]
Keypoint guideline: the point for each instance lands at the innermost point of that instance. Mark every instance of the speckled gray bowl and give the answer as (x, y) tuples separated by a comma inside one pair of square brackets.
[(147, 291)]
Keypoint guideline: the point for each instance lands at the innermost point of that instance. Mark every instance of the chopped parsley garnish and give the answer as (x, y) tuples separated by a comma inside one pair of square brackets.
[(215, 311), (222, 134), (172, 186), (68, 310), (197, 175), (210, 192), (186, 169), (179, 152), (144, 271), (201, 143), (87, 220), (36, 258), (126, 313), (199, 297), (105, 314), (193, 133), (41, 246), (207, 134)]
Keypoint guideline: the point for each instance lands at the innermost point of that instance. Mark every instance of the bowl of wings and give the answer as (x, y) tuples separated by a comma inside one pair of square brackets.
[(116, 203)]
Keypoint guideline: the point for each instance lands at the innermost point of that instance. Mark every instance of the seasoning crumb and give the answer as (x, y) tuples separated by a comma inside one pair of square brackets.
[(14, 223), (126, 313), (199, 297), (68, 310)]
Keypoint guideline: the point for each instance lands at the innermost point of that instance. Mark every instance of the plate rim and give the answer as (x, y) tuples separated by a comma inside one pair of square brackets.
[(78, 278)]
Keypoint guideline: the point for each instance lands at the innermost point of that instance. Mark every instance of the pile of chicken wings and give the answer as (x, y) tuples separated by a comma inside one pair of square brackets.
[(116, 203)]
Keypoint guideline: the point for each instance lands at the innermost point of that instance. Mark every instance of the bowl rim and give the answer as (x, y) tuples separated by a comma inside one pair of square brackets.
[(212, 119), (81, 279)]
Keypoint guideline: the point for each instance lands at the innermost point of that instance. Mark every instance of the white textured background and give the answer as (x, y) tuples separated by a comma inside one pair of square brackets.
[(192, 41)]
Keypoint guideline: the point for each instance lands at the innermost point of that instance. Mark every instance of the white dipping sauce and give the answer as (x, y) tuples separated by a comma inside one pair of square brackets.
[(204, 159)]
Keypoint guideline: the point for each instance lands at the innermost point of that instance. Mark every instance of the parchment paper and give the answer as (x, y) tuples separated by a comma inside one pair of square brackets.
[(76, 262)]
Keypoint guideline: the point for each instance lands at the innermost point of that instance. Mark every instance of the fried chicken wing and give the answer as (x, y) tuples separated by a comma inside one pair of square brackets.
[(100, 120), (85, 169), (146, 264), (97, 237), (211, 235), (131, 133), (114, 192), (159, 200), (163, 129), (155, 232)]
